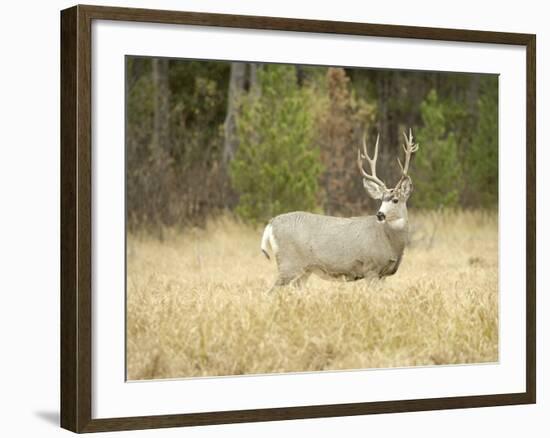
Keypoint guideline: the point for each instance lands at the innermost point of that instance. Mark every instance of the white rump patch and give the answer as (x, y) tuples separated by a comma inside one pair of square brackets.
[(272, 241), (268, 237)]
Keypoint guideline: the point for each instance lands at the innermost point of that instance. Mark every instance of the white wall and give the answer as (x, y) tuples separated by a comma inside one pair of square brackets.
[(29, 227)]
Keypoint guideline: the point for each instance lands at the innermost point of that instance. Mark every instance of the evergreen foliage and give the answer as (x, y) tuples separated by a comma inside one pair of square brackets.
[(482, 157), (294, 133), (276, 167), (437, 170)]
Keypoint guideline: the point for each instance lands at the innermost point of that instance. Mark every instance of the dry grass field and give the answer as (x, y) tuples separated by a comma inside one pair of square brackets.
[(197, 304)]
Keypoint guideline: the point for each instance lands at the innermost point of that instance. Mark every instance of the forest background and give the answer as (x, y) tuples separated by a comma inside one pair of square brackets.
[(205, 138)]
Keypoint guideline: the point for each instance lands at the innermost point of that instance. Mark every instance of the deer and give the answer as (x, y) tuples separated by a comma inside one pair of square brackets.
[(345, 249)]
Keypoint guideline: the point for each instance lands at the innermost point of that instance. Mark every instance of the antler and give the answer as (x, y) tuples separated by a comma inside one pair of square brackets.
[(410, 148), (371, 161)]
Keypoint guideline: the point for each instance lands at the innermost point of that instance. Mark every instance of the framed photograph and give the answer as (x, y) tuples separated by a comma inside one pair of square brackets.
[(268, 218)]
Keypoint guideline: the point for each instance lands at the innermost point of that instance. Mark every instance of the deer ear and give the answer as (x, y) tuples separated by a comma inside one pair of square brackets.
[(376, 191), (406, 188)]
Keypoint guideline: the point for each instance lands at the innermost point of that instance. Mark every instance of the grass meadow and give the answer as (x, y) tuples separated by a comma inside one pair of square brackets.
[(197, 304)]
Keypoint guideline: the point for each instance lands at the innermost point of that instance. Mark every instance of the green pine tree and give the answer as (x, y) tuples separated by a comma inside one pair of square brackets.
[(276, 168), (437, 171), (482, 158)]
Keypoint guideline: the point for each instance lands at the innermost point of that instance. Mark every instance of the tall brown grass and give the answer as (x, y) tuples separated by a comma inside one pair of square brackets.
[(197, 304)]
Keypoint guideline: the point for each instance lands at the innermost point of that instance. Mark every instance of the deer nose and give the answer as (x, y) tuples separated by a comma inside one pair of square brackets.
[(381, 216)]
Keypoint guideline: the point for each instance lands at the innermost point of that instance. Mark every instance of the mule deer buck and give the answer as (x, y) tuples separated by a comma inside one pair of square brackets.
[(347, 249)]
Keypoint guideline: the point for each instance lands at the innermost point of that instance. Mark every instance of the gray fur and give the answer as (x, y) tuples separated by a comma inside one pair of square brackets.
[(346, 249)]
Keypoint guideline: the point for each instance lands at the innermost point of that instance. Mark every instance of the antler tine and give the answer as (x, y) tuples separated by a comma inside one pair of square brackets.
[(410, 148), (400, 165), (371, 161)]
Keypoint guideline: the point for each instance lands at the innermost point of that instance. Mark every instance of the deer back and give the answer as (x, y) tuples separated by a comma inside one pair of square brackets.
[(336, 246)]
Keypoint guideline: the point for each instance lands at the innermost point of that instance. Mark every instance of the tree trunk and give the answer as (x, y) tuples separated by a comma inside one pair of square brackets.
[(253, 85), (472, 95), (161, 127), (236, 89)]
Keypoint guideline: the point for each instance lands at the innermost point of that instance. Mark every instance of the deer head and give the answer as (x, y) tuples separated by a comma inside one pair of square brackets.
[(394, 201)]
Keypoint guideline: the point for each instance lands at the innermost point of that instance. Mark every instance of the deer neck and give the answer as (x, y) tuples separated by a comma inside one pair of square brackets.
[(397, 231)]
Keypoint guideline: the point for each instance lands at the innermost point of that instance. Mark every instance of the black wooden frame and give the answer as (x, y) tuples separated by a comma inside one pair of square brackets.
[(76, 218)]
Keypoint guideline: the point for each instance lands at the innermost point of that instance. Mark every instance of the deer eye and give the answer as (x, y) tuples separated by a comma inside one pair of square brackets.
[(395, 200)]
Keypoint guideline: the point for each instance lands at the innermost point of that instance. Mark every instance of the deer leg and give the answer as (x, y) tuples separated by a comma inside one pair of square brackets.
[(280, 282), (287, 275), (301, 280), (390, 268)]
